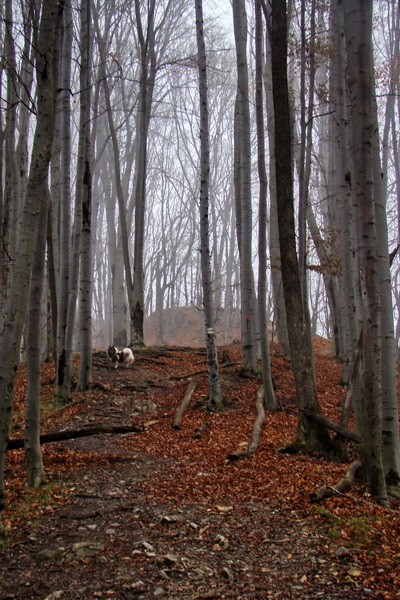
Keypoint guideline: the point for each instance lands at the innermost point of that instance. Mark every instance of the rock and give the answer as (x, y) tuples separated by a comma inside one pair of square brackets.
[(159, 592), (171, 519), (138, 587), (221, 541), (342, 552), (170, 559), (50, 554), (148, 546), (85, 549), (227, 574), (55, 595)]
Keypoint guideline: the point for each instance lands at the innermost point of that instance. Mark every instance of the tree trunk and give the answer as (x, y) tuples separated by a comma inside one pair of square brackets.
[(347, 306), (64, 347), (215, 393), (269, 394), (243, 187), (85, 195), (33, 454), (280, 323), (11, 193), (390, 416), (310, 435), (35, 191), (358, 31), (147, 78)]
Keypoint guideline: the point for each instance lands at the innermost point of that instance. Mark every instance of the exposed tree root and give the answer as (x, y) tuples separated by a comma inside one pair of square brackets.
[(257, 429), (199, 432), (184, 404), (70, 434), (339, 429), (344, 484)]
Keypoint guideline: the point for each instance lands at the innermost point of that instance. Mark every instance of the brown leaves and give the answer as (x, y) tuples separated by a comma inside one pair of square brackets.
[(195, 470)]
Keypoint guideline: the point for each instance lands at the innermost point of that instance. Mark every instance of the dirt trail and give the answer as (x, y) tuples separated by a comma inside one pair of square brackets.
[(158, 515)]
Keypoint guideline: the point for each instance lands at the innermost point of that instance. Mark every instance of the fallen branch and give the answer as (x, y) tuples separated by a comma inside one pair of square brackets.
[(200, 430), (339, 429), (184, 404), (257, 428), (70, 434), (344, 484)]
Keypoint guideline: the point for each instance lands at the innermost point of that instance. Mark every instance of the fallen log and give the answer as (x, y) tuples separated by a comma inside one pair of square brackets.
[(344, 484), (257, 429), (184, 404), (339, 429), (70, 434)]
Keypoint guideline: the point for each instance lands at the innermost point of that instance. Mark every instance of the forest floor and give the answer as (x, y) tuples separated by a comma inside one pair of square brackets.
[(163, 513)]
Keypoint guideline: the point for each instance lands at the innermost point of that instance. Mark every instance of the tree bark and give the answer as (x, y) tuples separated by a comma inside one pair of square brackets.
[(342, 486), (147, 79), (280, 322), (269, 394), (310, 435), (84, 185), (33, 454), (358, 32), (64, 339), (215, 400), (35, 191), (257, 429), (191, 388), (71, 434), (243, 187)]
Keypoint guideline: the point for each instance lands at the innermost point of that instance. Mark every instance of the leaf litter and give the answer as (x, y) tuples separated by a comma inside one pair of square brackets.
[(164, 513)]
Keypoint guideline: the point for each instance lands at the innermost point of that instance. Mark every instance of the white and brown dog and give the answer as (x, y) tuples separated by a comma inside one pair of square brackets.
[(124, 356)]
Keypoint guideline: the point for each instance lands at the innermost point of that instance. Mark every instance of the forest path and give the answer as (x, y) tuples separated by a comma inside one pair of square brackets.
[(159, 514)]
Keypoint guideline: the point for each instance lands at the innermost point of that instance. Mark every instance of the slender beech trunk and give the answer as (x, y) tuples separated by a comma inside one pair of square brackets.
[(310, 435), (348, 306), (147, 78), (86, 275), (280, 323), (215, 393), (35, 191), (243, 186), (306, 130), (269, 394), (390, 417), (33, 453), (64, 349), (11, 192), (117, 165)]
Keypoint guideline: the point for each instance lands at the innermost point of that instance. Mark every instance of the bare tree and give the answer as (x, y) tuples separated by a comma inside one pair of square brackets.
[(33, 453), (215, 393), (269, 394), (279, 316), (243, 186), (84, 195), (66, 306), (358, 31), (36, 190), (309, 434)]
